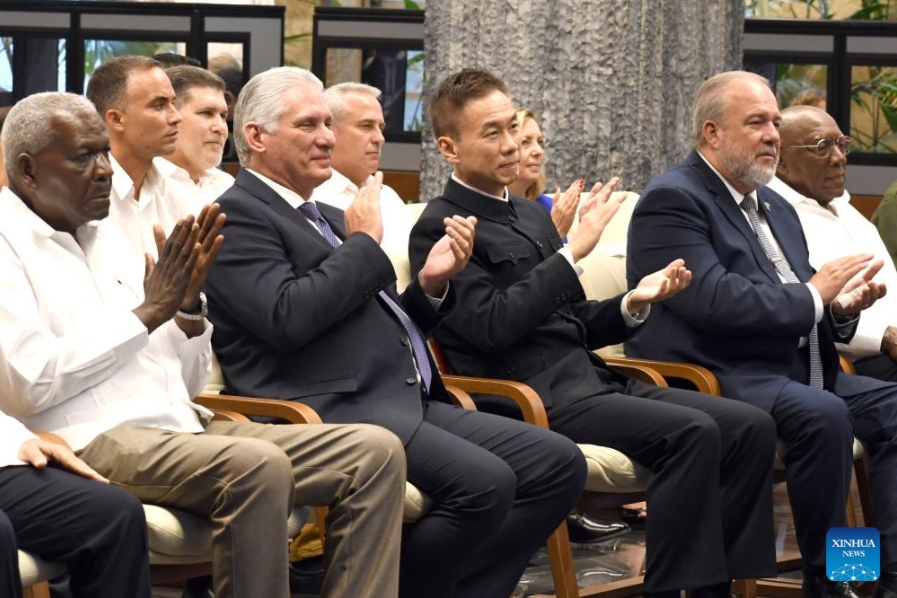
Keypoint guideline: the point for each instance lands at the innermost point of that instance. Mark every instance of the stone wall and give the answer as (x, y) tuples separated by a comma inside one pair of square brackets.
[(613, 82)]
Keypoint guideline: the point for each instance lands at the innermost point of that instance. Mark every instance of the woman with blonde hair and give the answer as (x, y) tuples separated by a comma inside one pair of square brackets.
[(531, 179)]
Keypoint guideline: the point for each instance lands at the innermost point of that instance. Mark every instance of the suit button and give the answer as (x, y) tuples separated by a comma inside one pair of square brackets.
[(512, 371), (405, 341), (511, 255), (539, 244), (410, 381)]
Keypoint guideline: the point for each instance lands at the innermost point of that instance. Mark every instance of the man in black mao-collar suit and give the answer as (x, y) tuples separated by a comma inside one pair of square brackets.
[(770, 344), (522, 314), (304, 309)]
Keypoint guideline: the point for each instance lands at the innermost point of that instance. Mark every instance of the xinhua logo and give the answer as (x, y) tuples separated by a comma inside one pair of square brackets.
[(853, 554)]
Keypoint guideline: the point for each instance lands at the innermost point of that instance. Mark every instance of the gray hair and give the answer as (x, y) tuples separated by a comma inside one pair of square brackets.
[(710, 103), (335, 96), (260, 102), (29, 125)]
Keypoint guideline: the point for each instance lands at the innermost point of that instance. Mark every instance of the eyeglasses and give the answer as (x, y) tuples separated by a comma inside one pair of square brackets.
[(823, 147)]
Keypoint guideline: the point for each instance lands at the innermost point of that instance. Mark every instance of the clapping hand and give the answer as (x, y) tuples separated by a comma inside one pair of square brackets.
[(449, 255), (563, 206), (594, 213), (659, 286), (861, 292)]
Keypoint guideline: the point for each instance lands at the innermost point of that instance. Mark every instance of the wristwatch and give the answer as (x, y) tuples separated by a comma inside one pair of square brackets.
[(203, 310)]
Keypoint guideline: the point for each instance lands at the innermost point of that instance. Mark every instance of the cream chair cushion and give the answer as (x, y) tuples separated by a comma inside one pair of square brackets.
[(35, 570), (179, 538), (604, 270)]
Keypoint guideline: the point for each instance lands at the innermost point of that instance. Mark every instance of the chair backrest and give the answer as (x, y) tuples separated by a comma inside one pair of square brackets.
[(400, 262), (604, 270)]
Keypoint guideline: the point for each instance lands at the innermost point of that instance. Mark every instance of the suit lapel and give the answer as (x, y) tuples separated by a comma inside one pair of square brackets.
[(791, 250), (734, 214), (258, 189)]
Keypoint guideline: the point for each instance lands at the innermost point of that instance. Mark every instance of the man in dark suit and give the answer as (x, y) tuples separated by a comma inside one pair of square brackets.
[(304, 308), (769, 343), (522, 314)]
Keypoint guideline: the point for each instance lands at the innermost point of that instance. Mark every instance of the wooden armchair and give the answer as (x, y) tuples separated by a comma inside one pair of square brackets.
[(180, 544)]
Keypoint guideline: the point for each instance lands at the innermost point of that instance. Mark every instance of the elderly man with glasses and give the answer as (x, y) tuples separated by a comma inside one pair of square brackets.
[(811, 176)]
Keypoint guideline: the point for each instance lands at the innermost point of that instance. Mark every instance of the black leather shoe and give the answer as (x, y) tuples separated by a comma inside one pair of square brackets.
[(307, 576), (819, 586), (198, 587), (585, 530), (887, 585)]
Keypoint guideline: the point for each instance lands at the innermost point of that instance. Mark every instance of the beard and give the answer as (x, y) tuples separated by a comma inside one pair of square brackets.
[(742, 163)]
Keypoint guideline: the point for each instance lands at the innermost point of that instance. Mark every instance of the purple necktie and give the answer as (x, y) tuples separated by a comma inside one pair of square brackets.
[(418, 345)]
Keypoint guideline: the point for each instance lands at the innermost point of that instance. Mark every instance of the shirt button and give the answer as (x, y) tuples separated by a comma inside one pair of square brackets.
[(410, 381)]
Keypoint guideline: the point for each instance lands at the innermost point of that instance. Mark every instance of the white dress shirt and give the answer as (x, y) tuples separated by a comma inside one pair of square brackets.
[(839, 230), (211, 185), (74, 359), (12, 436), (163, 201), (339, 191)]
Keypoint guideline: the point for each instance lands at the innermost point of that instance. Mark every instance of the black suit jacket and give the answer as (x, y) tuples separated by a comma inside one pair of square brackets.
[(297, 319), (736, 318), (521, 313)]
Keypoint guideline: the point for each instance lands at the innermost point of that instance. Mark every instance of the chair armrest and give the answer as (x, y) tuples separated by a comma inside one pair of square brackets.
[(461, 398), (295, 413), (223, 415), (50, 437), (846, 364), (702, 378), (633, 369), (525, 397)]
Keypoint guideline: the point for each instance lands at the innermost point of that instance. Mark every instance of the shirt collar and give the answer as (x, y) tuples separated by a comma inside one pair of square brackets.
[(123, 184), (503, 198), (18, 210), (339, 183), (736, 195), (796, 198), (291, 197)]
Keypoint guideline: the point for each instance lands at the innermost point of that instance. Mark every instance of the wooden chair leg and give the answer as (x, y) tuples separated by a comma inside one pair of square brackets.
[(861, 469), (40, 590), (561, 557), (745, 588), (851, 511)]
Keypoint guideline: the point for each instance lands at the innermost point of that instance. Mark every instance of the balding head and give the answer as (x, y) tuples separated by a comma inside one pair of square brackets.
[(815, 173)]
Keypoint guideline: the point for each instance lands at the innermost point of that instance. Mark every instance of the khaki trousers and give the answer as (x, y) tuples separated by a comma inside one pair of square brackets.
[(245, 478)]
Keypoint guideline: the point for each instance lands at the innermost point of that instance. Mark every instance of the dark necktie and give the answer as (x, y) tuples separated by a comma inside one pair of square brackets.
[(784, 270), (418, 345)]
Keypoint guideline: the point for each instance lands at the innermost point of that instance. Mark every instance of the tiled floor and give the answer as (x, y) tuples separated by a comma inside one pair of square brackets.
[(617, 559)]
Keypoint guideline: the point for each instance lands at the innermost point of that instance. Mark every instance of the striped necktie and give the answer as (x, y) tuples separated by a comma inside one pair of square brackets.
[(784, 270), (418, 345)]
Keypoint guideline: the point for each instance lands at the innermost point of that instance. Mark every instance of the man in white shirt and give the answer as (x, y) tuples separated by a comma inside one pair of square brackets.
[(73, 517), (135, 99), (810, 176), (108, 358), (202, 132), (358, 127)]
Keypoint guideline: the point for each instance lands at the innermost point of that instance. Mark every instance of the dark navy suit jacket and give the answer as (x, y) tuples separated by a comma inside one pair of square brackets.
[(297, 319), (736, 318)]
